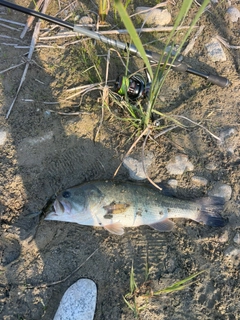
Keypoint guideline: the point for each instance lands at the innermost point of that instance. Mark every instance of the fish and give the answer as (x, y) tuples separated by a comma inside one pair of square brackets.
[(115, 205)]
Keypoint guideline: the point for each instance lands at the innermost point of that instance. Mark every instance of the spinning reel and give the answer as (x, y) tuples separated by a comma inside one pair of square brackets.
[(134, 87)]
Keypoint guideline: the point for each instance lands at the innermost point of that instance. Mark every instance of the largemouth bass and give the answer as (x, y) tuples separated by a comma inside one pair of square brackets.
[(115, 205)]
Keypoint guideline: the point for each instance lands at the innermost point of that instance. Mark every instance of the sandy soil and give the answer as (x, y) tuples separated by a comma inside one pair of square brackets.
[(46, 152)]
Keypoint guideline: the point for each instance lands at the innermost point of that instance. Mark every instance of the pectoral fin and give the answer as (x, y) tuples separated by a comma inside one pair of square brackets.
[(163, 226), (115, 228)]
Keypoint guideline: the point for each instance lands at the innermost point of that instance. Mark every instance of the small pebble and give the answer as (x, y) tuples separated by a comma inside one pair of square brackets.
[(236, 239), (154, 17), (135, 167), (224, 237), (85, 20), (233, 14), (221, 190), (233, 254), (47, 114), (173, 183), (199, 181), (226, 134), (76, 18), (3, 137), (211, 166), (215, 51), (228, 141), (180, 165)]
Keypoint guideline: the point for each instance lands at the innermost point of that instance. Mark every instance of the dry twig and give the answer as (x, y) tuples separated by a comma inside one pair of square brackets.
[(143, 164), (131, 148), (8, 27), (191, 43), (66, 278), (77, 113), (30, 19), (105, 96), (12, 22), (107, 32), (29, 57), (13, 67), (199, 125), (225, 43), (34, 39)]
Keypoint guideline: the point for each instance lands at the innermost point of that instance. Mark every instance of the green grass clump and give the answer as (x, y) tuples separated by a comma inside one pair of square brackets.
[(144, 292), (159, 76)]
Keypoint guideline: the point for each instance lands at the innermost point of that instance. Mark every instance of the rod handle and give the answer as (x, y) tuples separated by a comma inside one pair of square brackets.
[(218, 80), (181, 66)]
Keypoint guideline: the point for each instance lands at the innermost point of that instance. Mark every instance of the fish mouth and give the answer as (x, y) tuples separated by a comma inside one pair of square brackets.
[(62, 207)]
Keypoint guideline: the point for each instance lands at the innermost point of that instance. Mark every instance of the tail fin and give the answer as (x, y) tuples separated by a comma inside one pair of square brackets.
[(210, 209)]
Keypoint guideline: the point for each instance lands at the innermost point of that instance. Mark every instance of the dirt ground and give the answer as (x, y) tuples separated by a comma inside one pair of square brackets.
[(45, 152)]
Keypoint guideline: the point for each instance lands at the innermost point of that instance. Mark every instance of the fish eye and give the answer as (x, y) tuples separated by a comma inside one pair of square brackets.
[(66, 194)]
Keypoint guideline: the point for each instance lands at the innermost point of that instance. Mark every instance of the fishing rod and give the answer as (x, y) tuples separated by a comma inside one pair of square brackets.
[(176, 64)]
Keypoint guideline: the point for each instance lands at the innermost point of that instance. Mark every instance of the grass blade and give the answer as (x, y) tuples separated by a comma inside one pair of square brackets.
[(133, 34), (179, 285), (133, 284)]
